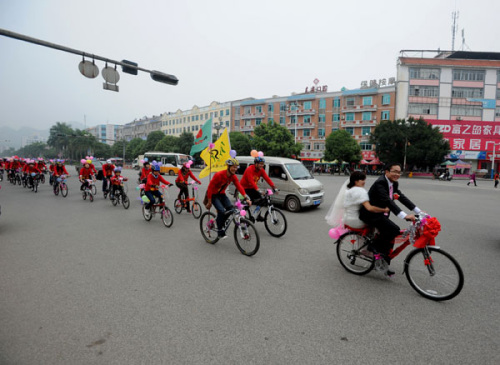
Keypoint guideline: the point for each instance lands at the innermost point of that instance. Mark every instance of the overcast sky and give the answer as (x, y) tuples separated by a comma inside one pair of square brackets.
[(220, 50)]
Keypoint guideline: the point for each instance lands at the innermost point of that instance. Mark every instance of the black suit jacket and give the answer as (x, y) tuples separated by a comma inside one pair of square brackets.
[(379, 197)]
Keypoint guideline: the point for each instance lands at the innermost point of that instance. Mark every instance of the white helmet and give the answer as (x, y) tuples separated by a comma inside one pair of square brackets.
[(108, 161)]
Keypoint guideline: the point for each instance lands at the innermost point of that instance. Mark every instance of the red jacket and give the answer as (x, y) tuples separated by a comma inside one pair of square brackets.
[(154, 182), (30, 169), (251, 176), (145, 172), (184, 177), (92, 167), (117, 180), (41, 166), (14, 165), (86, 173), (107, 169), (220, 182), (60, 170)]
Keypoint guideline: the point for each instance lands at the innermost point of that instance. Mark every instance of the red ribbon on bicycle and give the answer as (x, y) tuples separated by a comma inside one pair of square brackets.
[(430, 230)]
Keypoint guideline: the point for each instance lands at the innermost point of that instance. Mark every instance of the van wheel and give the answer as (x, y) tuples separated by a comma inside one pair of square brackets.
[(171, 173), (292, 204)]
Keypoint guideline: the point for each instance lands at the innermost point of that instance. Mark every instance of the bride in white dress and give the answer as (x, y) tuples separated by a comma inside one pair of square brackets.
[(345, 208)]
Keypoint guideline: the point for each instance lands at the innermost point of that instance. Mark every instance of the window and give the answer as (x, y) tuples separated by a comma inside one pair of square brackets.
[(292, 119), (365, 146), (307, 119), (367, 100), (319, 146), (227, 111), (385, 115), (307, 146), (497, 112), (216, 114), (366, 116), (322, 103), (349, 101), (386, 99), (466, 92), (282, 107), (349, 116), (336, 103), (468, 75), (258, 109), (248, 110), (422, 109), (321, 132), (498, 93), (424, 73), (276, 171), (466, 110), (365, 131), (306, 132), (350, 130), (307, 105), (282, 120), (270, 108), (258, 121), (322, 118), (336, 117), (429, 91)]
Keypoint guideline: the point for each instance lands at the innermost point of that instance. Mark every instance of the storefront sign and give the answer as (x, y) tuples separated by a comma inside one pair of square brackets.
[(380, 83), (316, 88)]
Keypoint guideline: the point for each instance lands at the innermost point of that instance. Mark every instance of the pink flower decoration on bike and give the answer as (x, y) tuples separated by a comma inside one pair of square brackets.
[(243, 213), (269, 192)]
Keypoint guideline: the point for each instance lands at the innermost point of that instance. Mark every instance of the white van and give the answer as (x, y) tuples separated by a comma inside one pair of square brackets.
[(298, 189)]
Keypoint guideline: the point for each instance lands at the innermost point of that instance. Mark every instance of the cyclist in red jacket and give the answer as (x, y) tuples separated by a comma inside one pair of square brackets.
[(116, 182), (182, 182), (152, 186), (86, 173), (216, 193)]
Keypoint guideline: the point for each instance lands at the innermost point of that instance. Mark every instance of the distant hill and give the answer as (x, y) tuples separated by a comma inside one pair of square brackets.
[(10, 137)]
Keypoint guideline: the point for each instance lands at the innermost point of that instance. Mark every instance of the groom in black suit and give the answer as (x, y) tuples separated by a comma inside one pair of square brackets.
[(381, 194)]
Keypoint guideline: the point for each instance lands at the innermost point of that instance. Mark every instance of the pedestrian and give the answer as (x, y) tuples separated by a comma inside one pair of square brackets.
[(496, 178), (472, 178)]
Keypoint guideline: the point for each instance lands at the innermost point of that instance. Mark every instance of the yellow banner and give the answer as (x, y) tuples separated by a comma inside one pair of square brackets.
[(217, 156)]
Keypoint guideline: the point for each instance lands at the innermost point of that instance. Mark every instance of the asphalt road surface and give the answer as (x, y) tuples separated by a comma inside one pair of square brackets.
[(90, 283)]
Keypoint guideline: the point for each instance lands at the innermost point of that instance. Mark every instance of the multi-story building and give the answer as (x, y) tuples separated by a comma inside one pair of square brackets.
[(312, 116), (174, 124), (139, 128), (25, 141), (105, 133), (459, 92)]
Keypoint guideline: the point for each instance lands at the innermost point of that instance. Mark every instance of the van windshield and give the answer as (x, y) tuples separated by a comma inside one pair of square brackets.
[(298, 171)]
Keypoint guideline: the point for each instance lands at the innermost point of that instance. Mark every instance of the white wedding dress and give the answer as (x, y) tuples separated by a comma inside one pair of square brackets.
[(345, 208)]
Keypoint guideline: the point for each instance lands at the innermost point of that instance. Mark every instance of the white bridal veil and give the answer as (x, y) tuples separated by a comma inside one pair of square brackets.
[(336, 212)]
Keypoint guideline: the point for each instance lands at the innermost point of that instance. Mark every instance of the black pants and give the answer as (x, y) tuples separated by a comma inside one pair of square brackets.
[(183, 190), (388, 230)]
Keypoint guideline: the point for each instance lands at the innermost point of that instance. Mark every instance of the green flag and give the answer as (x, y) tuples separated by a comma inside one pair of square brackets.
[(203, 138)]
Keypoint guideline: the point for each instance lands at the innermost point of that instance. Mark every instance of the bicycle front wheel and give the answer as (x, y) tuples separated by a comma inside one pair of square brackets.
[(434, 273), (93, 188), (178, 206), (146, 213), (125, 202), (196, 210), (275, 222), (167, 217), (246, 237), (64, 190), (353, 254), (208, 227)]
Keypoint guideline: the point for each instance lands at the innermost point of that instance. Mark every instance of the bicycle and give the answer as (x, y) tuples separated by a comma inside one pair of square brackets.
[(93, 188), (87, 191), (274, 219), (437, 277), (195, 207), (1, 175), (245, 235), (59, 184), (166, 214), (34, 180), (42, 177), (108, 184), (120, 197)]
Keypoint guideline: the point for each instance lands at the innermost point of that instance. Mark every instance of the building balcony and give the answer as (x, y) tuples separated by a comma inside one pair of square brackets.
[(301, 125), (253, 115), (299, 112), (359, 108), (246, 128), (359, 123)]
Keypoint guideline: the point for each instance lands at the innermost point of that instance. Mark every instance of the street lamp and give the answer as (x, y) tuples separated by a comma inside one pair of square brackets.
[(408, 123), (493, 156), (218, 127)]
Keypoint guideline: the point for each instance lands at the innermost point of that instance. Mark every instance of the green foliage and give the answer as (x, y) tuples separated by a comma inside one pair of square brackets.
[(425, 146), (132, 148), (153, 139), (102, 150), (275, 140), (117, 149), (71, 143), (167, 144), (241, 143), (185, 142), (33, 150), (341, 146)]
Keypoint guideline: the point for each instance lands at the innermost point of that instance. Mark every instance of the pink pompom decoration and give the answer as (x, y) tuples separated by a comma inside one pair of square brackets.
[(269, 192), (142, 161), (254, 153), (336, 232), (141, 186), (238, 205), (83, 161), (211, 145), (243, 213), (260, 154)]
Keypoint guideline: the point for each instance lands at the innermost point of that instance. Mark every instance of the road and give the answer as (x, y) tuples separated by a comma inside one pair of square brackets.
[(89, 283)]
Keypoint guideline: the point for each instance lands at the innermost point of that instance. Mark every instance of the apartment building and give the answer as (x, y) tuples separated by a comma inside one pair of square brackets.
[(105, 133), (139, 128), (313, 115), (459, 92)]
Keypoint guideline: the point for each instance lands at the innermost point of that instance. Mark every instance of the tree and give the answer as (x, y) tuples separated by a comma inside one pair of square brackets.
[(340, 145), (140, 149), (102, 150), (153, 139), (130, 149), (117, 149), (185, 142), (275, 140), (240, 143), (168, 144), (59, 136), (425, 146)]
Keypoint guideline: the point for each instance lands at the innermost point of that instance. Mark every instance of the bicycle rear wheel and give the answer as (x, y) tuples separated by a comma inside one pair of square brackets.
[(434, 273), (275, 222), (42, 178), (351, 254), (64, 190), (93, 189), (246, 237), (178, 206), (167, 217), (208, 227), (125, 202)]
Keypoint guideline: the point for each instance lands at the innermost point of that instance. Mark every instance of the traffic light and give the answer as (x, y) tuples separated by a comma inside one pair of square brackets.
[(165, 78), (129, 70)]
